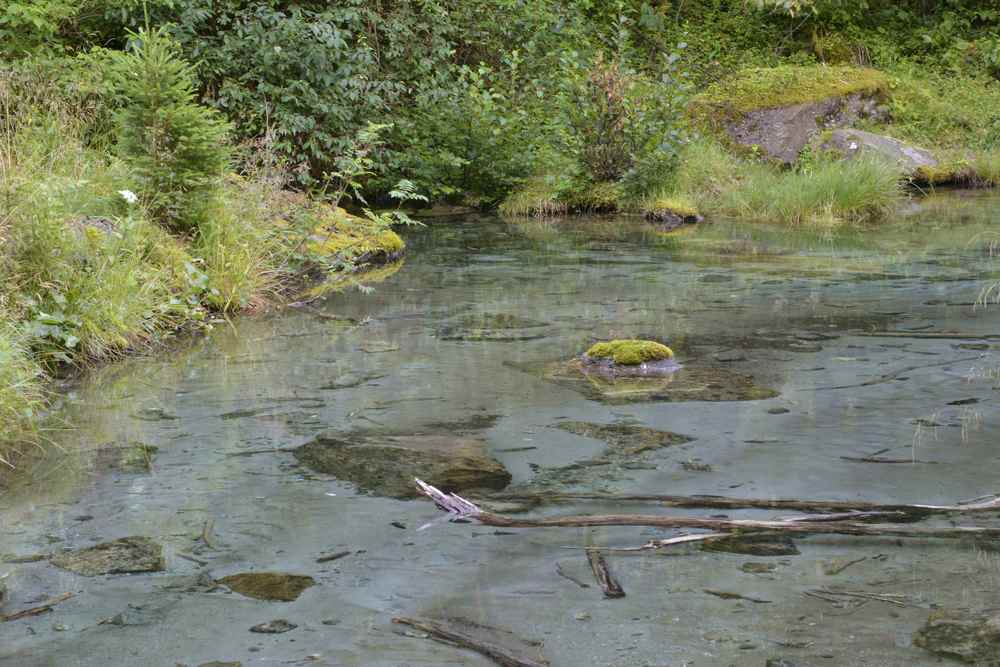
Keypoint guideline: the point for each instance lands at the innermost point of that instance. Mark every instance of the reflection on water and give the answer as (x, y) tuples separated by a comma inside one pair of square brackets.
[(807, 357)]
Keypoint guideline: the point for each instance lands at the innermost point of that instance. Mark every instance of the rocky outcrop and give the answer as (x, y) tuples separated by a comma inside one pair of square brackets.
[(781, 133), (853, 143), (971, 638)]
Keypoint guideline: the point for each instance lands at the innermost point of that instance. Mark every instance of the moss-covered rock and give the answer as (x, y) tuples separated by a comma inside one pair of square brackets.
[(672, 212), (769, 87), (776, 111), (629, 352)]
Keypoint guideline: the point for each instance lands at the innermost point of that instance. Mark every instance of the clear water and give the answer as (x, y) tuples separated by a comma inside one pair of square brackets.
[(789, 310)]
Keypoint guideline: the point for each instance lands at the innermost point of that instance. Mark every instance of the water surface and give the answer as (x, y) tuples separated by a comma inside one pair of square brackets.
[(794, 312)]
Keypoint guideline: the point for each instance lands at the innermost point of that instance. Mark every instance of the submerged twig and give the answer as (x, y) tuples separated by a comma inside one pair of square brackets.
[(35, 611), (462, 638), (606, 580)]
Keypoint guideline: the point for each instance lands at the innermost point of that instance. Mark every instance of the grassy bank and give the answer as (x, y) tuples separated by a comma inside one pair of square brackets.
[(89, 270), (956, 118)]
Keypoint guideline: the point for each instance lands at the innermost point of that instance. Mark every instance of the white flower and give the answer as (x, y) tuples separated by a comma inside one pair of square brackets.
[(129, 196)]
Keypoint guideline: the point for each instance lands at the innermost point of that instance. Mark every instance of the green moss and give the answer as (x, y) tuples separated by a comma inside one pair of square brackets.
[(680, 205), (766, 87), (341, 235), (944, 111), (630, 352)]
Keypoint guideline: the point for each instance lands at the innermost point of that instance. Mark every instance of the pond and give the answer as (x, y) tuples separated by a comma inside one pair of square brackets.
[(817, 365)]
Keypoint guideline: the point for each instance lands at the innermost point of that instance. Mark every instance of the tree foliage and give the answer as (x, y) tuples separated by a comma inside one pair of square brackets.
[(174, 148)]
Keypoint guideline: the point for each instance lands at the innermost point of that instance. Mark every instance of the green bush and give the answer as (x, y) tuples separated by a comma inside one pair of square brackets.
[(174, 148)]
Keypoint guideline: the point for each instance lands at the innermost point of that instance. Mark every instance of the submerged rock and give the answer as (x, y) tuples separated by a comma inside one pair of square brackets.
[(124, 556), (625, 439), (268, 585), (691, 382), (496, 327), (275, 627), (852, 143), (969, 637), (386, 465), (753, 546)]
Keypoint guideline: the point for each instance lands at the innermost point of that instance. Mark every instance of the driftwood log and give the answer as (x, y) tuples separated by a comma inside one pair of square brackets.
[(985, 504), (829, 524)]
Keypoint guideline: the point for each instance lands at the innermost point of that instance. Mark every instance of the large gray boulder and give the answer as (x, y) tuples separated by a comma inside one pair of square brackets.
[(852, 143), (780, 133)]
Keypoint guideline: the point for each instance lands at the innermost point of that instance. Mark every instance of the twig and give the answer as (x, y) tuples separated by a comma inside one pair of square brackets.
[(458, 637), (606, 580), (889, 377), (734, 596), (879, 459), (206, 533), (570, 577), (193, 559), (838, 569), (889, 598), (330, 557), (35, 611)]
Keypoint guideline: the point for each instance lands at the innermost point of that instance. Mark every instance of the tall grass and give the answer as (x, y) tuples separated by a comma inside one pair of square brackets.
[(824, 193)]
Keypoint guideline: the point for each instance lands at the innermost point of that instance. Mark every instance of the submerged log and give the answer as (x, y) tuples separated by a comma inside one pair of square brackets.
[(983, 504), (606, 580), (839, 524)]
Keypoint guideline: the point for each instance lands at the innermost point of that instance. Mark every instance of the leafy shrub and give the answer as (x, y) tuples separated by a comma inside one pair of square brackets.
[(174, 148)]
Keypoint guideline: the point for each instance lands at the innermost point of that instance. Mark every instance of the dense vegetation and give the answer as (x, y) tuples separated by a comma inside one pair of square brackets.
[(165, 162)]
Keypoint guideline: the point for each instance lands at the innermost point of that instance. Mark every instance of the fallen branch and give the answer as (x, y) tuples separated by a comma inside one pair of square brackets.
[(880, 459), (607, 581), (983, 504), (35, 611), (462, 638), (889, 377), (929, 334), (461, 508)]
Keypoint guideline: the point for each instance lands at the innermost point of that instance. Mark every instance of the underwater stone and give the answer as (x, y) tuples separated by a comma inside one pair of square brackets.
[(124, 556), (972, 638), (268, 585), (386, 465), (275, 627), (760, 546)]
